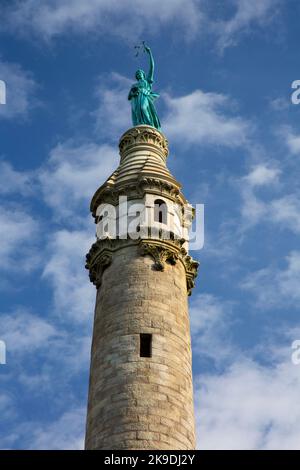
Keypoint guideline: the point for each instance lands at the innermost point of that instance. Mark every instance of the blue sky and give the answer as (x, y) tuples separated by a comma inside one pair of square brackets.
[(224, 71)]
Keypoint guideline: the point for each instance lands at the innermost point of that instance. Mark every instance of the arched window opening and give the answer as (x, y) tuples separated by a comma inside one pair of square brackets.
[(160, 211)]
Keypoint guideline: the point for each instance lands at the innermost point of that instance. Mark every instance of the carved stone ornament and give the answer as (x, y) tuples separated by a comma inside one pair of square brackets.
[(97, 266), (171, 251), (161, 250), (159, 253), (137, 190), (191, 268), (143, 135), (100, 257)]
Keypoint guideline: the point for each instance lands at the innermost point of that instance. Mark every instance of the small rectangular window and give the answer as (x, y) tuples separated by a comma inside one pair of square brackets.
[(145, 345)]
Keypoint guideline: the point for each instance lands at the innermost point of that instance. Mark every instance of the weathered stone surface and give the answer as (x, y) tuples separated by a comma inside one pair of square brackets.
[(140, 402)]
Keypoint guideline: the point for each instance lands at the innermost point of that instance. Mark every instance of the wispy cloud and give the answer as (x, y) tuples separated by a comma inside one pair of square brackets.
[(66, 433), (20, 91), (247, 17), (276, 287), (15, 182), (75, 171), (268, 206), (132, 17), (291, 139), (112, 116), (204, 118), (262, 175), (210, 321), (254, 208), (24, 332), (74, 296), (18, 233), (241, 409)]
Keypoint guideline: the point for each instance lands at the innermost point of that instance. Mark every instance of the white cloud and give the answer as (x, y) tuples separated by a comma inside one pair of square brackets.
[(18, 233), (239, 407), (65, 355), (292, 140), (75, 171), (261, 175), (204, 118), (210, 319), (127, 19), (279, 104), (283, 211), (65, 433), (254, 208), (248, 14), (12, 181), (113, 113), (249, 407), (20, 90), (286, 212), (25, 332), (6, 406), (74, 295), (274, 287), (132, 19)]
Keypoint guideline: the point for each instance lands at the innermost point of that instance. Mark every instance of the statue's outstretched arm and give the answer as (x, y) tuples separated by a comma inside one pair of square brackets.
[(151, 68)]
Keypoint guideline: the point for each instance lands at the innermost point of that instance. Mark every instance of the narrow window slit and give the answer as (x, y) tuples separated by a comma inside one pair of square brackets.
[(145, 345), (160, 211)]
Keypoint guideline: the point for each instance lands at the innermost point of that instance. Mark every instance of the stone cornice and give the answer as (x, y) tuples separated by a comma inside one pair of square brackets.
[(143, 135), (162, 251), (137, 190)]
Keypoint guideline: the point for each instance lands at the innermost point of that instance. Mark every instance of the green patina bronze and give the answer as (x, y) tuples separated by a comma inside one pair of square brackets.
[(142, 97)]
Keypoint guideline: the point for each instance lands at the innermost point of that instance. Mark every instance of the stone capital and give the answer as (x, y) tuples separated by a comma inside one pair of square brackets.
[(139, 136)]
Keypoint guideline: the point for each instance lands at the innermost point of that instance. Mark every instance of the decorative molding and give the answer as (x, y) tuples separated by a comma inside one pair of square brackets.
[(147, 183), (191, 268), (159, 253), (137, 190), (161, 250), (140, 135), (171, 251), (97, 266), (101, 254)]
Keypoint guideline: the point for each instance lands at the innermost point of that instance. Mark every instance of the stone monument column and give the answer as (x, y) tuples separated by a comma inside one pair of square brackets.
[(140, 390)]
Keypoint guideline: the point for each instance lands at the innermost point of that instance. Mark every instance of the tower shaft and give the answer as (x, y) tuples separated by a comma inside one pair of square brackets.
[(140, 391)]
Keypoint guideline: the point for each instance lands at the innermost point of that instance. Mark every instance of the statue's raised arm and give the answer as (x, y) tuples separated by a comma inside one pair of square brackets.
[(151, 67)]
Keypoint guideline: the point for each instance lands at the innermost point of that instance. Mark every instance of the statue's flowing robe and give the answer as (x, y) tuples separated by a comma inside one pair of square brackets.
[(142, 104)]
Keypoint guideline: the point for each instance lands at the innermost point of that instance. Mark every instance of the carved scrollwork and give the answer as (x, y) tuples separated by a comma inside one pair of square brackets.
[(143, 135), (97, 265), (191, 268), (159, 253), (171, 251)]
